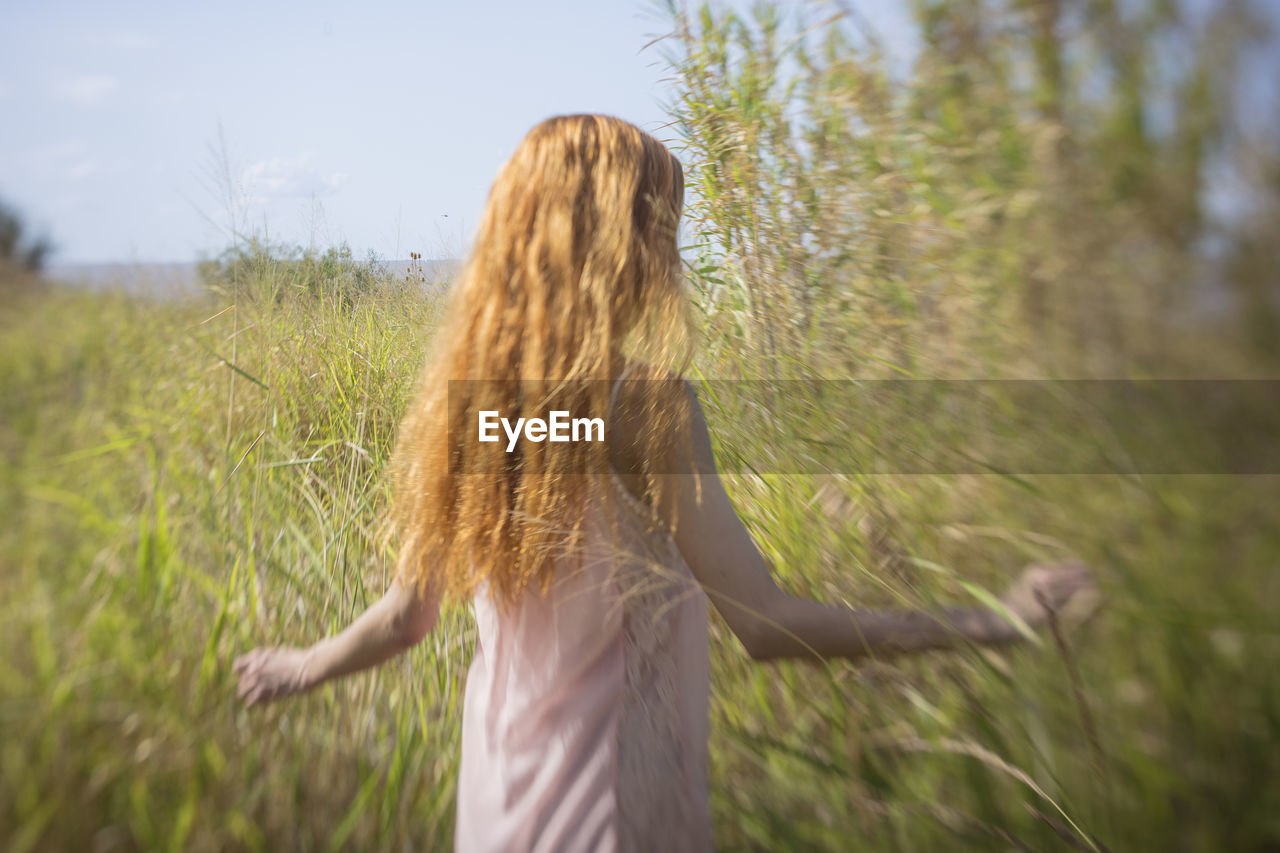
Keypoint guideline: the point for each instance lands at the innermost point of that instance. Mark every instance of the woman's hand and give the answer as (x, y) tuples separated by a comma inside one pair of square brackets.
[(271, 673), (1065, 588)]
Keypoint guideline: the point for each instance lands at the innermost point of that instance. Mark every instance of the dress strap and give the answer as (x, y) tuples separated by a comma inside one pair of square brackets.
[(613, 392), (613, 398)]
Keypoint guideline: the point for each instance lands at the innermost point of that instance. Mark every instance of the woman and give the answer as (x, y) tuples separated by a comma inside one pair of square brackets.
[(589, 563)]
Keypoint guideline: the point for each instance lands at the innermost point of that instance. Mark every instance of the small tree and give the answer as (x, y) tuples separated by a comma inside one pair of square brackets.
[(17, 248)]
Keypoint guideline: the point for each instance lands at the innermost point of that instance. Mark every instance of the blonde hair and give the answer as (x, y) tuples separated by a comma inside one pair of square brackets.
[(575, 260)]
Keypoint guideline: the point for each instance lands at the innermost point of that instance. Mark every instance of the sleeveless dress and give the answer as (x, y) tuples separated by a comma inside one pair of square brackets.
[(584, 724)]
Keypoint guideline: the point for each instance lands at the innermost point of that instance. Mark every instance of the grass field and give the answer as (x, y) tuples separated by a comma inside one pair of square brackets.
[(184, 481)]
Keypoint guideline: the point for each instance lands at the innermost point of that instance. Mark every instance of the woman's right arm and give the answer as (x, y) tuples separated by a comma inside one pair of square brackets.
[(772, 624), (390, 626)]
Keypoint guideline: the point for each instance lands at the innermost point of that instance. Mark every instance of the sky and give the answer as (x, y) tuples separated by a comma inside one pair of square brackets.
[(129, 131), (381, 124)]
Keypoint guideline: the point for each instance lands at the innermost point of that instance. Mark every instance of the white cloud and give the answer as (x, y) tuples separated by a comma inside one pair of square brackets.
[(85, 88), (289, 177), (68, 158), (82, 169)]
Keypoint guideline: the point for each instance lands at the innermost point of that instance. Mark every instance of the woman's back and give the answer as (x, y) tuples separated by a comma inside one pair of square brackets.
[(585, 721)]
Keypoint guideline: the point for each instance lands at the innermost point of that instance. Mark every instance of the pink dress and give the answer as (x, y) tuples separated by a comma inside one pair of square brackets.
[(585, 720)]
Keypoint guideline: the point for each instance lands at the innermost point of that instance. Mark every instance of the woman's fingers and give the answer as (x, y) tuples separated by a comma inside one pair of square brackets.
[(249, 668), (254, 660), (1064, 591), (1083, 602), (1054, 585), (254, 692), (1043, 590), (248, 660), (1067, 588), (266, 674)]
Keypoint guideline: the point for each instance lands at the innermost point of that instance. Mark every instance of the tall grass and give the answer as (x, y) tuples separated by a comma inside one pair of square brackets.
[(999, 209), (187, 481)]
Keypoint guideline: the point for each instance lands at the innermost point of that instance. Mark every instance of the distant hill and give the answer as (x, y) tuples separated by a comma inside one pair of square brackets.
[(166, 279), (434, 271), (157, 279)]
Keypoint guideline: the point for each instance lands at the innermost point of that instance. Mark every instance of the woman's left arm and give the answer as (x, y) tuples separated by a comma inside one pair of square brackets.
[(396, 622)]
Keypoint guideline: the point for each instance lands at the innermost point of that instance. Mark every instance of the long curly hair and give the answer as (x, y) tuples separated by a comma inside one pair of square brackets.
[(575, 264)]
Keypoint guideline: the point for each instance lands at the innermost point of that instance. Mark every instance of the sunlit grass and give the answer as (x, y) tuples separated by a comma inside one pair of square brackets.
[(180, 492), (185, 482)]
